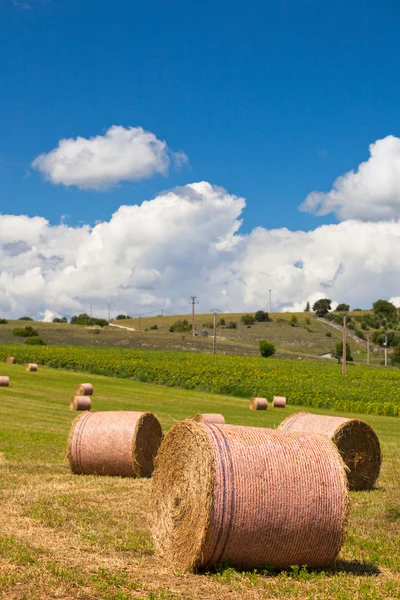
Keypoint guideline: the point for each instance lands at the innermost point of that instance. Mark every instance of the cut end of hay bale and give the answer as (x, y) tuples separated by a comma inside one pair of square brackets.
[(356, 441), (210, 418), (228, 494), (4, 381), (258, 404), (120, 443), (279, 402), (31, 367), (10, 360), (80, 403), (84, 389)]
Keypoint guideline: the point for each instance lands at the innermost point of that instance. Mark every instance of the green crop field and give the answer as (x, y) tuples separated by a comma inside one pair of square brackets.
[(64, 536)]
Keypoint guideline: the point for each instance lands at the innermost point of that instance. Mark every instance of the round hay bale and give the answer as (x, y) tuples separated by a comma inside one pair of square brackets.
[(279, 402), (114, 443), (356, 441), (248, 496), (258, 404), (80, 403), (31, 367), (84, 389), (4, 381), (10, 360), (210, 418)]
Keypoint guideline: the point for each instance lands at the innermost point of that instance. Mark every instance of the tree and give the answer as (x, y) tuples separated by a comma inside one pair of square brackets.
[(248, 319), (395, 357), (261, 316), (293, 321), (60, 320), (338, 352), (120, 317), (181, 325), (322, 307), (307, 307), (266, 348), (343, 307), (385, 309)]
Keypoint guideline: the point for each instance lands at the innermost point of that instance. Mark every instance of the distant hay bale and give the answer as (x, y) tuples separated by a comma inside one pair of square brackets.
[(258, 404), (84, 389), (80, 403), (31, 367), (114, 443), (356, 441), (247, 496), (210, 418), (10, 360), (279, 402), (4, 381)]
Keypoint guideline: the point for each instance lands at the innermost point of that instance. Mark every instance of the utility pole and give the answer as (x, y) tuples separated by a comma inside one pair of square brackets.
[(386, 352), (140, 323), (344, 347), (367, 348), (162, 312), (193, 298), (215, 311), (91, 306), (270, 303), (109, 304)]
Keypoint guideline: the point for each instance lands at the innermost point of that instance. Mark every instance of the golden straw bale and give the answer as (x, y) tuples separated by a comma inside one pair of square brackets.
[(4, 381), (258, 404), (84, 389), (10, 360), (247, 496), (114, 443), (279, 402), (80, 403), (210, 418), (31, 367), (356, 441)]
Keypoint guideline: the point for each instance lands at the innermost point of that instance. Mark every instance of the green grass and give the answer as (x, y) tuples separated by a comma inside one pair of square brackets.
[(65, 536)]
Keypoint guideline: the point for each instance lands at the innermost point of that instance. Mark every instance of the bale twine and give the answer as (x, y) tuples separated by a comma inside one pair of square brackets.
[(10, 360), (356, 441), (248, 496), (84, 389), (80, 403), (114, 443), (258, 404), (279, 402), (31, 367), (4, 381), (210, 418)]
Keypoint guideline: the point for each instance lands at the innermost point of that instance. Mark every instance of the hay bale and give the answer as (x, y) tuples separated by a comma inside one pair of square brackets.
[(210, 418), (258, 404), (31, 367), (247, 496), (84, 389), (279, 402), (4, 381), (10, 360), (356, 441), (114, 443), (80, 403)]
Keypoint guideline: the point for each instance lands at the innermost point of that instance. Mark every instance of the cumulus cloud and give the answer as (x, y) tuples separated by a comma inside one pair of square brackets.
[(122, 154), (372, 192), (187, 241)]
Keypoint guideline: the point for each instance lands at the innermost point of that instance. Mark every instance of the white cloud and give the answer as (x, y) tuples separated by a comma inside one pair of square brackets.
[(371, 193), (122, 154), (184, 242)]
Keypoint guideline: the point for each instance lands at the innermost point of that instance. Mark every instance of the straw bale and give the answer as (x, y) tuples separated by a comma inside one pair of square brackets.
[(31, 367), (279, 402), (84, 389), (210, 418), (10, 360), (247, 496), (258, 404), (114, 443), (356, 441), (4, 381), (80, 403)]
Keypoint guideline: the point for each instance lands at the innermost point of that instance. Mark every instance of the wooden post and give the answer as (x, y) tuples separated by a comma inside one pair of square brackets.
[(344, 365), (215, 333)]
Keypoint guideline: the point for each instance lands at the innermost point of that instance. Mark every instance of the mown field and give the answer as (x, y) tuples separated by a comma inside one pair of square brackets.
[(86, 537), (365, 389)]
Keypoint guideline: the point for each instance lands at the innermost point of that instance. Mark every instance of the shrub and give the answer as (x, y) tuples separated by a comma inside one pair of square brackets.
[(3, 321), (84, 319), (293, 321), (364, 326), (281, 320), (261, 316), (153, 327), (266, 348), (181, 325), (359, 334), (208, 325), (308, 321), (248, 319), (60, 320), (120, 317), (231, 325), (35, 341), (25, 332), (25, 319), (221, 323), (328, 334)]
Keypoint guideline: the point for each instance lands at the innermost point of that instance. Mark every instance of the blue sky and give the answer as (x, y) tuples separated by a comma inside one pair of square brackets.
[(269, 99)]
